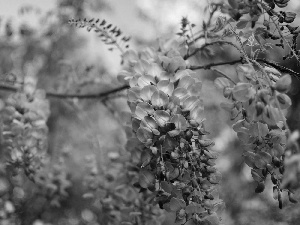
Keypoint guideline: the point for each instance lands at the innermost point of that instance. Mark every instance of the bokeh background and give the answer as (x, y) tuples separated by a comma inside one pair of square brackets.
[(71, 60)]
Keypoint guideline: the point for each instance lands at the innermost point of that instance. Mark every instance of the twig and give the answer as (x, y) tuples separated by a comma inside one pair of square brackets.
[(208, 66), (279, 67), (4, 87), (207, 24), (208, 44)]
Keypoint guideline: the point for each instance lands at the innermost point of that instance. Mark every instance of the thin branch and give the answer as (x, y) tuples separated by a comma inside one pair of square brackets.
[(209, 66), (10, 88), (208, 44), (279, 67), (207, 24), (4, 87)]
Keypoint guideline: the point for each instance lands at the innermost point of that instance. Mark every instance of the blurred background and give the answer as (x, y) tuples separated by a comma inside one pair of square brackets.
[(74, 61)]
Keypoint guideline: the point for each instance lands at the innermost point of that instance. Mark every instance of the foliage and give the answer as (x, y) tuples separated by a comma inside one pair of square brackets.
[(109, 34)]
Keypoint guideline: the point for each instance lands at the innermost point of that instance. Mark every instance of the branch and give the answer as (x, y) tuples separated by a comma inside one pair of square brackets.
[(10, 88), (208, 66), (5, 87), (208, 44), (241, 60), (279, 67)]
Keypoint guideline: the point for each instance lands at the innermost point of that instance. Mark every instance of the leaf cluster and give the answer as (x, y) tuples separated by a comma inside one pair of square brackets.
[(108, 33)]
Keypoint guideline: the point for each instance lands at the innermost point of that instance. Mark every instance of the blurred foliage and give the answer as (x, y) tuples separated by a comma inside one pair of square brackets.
[(84, 168)]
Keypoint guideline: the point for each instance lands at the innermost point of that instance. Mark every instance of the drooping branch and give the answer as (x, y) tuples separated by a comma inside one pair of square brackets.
[(210, 65), (209, 44), (241, 60), (4, 87), (102, 95), (279, 67)]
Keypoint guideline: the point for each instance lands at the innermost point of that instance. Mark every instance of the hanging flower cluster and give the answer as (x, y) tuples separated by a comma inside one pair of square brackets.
[(114, 193), (175, 161), (24, 129), (257, 103), (7, 213)]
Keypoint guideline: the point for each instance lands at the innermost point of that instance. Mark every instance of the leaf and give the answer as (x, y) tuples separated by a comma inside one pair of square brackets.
[(239, 126), (292, 198), (215, 178), (244, 137), (145, 158), (182, 73), (180, 93), (242, 24), (220, 24), (284, 100), (241, 92), (149, 122), (123, 76), (133, 94), (159, 99), (166, 186), (132, 144), (233, 3), (245, 72), (190, 222), (88, 195), (132, 106), (176, 204), (265, 157), (228, 106), (147, 92), (135, 123), (260, 187), (146, 80), (169, 143), (194, 208), (195, 89), (174, 133), (275, 193), (206, 142), (259, 162), (143, 109), (186, 81), (213, 219), (256, 176), (176, 63), (197, 114), (221, 82), (263, 129), (272, 71), (283, 84), (277, 150), (272, 116), (161, 117), (166, 86), (146, 178), (180, 122), (190, 103), (174, 173), (141, 66), (249, 159), (259, 130), (144, 134)]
